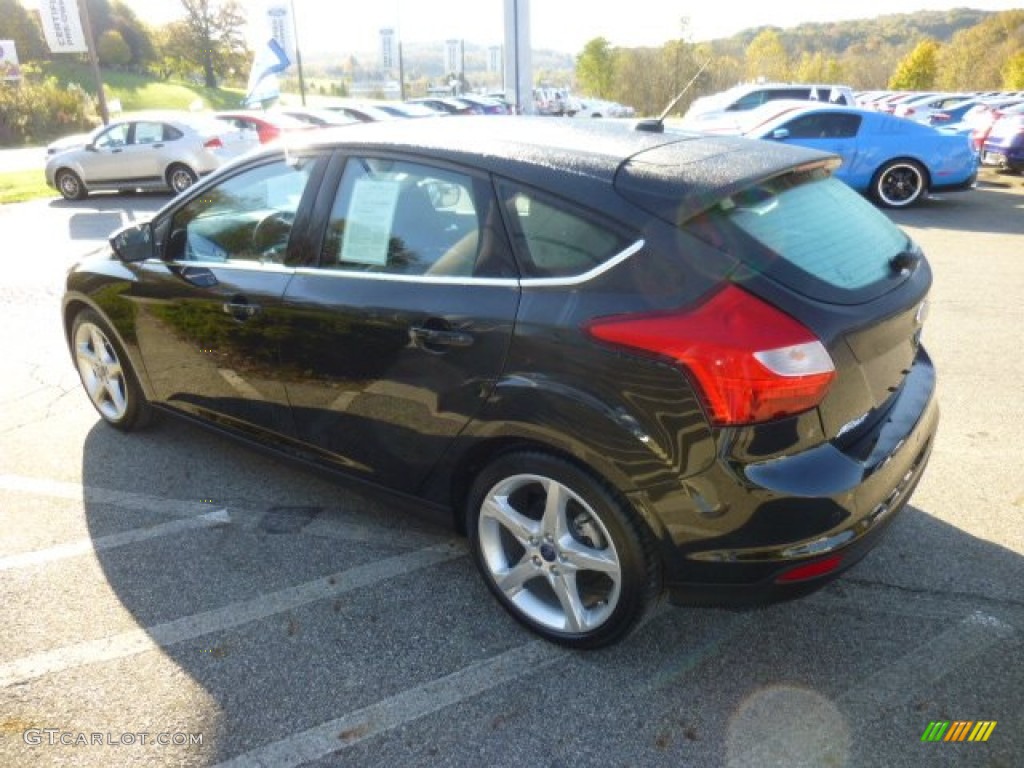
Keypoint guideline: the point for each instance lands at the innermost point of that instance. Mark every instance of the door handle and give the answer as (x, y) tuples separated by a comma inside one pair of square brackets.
[(430, 338), (240, 309)]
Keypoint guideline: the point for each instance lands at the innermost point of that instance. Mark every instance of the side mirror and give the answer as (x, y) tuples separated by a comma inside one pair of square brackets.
[(780, 133), (91, 147), (133, 242)]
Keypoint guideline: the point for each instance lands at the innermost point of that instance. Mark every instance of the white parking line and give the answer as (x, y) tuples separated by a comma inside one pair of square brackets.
[(92, 495), (217, 620), (114, 540), (333, 736)]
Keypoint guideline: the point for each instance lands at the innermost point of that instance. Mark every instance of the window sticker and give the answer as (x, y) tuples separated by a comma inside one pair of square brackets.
[(368, 228)]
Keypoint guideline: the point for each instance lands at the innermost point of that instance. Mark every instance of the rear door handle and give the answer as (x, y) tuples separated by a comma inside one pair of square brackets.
[(436, 337)]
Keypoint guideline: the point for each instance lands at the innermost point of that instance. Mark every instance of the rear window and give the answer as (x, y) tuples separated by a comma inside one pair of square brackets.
[(810, 232)]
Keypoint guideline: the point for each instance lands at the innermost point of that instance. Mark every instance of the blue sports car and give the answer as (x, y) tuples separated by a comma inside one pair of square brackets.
[(895, 161)]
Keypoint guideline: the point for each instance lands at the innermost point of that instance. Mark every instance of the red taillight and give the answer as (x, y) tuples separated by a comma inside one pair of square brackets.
[(940, 117), (751, 361), (810, 570), (214, 143)]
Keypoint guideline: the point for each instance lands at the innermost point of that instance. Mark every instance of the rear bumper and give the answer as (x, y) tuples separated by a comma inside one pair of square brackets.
[(794, 523)]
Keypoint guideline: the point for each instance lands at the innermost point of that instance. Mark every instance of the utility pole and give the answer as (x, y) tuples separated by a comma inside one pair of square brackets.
[(298, 55), (94, 62)]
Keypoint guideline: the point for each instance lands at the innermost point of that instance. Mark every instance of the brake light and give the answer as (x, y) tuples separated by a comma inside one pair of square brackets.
[(940, 117), (750, 361), (214, 143)]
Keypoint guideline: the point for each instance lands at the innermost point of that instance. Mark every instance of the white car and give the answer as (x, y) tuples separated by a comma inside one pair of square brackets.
[(587, 107), (742, 98), (151, 152)]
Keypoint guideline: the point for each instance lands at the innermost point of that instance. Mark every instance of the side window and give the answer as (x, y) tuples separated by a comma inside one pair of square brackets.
[(554, 240), (398, 217), (751, 100), (171, 133), (247, 217), (805, 127), (114, 137), (843, 126), (148, 133)]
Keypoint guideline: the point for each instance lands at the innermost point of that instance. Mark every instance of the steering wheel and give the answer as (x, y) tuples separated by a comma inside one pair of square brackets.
[(270, 235)]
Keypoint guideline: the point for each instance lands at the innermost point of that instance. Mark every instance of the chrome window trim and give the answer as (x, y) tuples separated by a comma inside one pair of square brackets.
[(506, 282)]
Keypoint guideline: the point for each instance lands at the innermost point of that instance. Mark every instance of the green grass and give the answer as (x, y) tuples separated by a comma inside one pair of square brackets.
[(19, 186), (143, 92)]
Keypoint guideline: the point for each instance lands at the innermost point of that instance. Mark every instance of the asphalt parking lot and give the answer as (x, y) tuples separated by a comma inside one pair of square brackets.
[(173, 598)]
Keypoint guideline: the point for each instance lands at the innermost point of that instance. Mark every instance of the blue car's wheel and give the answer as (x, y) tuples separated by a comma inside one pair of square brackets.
[(899, 183)]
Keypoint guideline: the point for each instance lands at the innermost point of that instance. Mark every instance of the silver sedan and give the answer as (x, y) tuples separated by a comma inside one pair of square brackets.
[(168, 152)]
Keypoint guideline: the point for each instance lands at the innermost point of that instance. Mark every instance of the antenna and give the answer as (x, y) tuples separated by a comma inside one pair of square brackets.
[(658, 124)]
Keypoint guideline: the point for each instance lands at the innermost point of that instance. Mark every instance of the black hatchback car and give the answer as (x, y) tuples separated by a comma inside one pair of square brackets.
[(628, 362)]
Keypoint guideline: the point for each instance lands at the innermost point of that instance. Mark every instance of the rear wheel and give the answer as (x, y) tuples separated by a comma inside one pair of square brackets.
[(562, 551), (180, 177), (899, 183), (106, 374), (70, 186)]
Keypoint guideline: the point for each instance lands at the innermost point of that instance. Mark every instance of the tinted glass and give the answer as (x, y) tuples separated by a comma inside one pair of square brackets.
[(812, 233), (247, 217), (398, 217), (555, 240)]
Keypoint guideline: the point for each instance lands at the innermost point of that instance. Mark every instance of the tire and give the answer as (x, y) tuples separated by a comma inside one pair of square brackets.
[(562, 551), (180, 177), (107, 375), (70, 186), (899, 184)]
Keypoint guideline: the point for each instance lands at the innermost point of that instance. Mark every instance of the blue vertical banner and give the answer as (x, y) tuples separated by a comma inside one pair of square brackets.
[(269, 62)]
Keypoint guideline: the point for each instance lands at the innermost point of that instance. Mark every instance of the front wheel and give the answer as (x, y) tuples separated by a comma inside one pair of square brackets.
[(180, 178), (899, 183), (562, 551), (70, 186), (106, 374)]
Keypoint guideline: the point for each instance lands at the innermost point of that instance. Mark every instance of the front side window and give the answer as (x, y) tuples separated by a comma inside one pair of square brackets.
[(247, 217), (403, 218), (554, 239), (115, 137)]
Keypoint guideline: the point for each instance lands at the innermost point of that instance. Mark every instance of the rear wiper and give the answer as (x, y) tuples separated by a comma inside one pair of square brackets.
[(904, 262)]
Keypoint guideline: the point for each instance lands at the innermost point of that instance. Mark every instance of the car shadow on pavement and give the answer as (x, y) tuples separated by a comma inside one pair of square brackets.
[(97, 216), (996, 206), (928, 627)]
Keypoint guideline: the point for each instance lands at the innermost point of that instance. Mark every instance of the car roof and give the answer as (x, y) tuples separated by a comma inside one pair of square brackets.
[(583, 160)]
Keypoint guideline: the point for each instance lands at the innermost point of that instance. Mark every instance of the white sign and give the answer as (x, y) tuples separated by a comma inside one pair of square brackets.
[(9, 67), (62, 26), (282, 29), (368, 226)]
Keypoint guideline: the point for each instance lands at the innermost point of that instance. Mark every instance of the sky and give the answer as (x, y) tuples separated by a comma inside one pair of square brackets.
[(561, 25)]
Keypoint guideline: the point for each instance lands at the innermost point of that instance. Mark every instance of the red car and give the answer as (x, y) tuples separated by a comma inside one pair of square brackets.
[(268, 126)]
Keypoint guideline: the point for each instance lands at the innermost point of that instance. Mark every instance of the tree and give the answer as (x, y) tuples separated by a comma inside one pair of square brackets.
[(767, 58), (18, 25), (918, 69), (595, 68), (136, 35), (213, 35), (1013, 72), (817, 68), (112, 50), (975, 57)]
